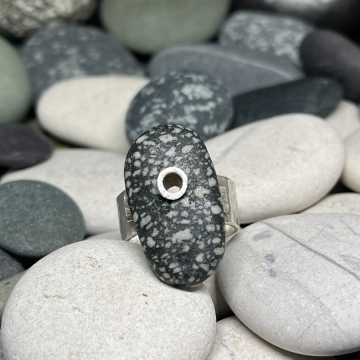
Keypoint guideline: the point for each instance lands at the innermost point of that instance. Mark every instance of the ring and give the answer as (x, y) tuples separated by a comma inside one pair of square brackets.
[(175, 206)]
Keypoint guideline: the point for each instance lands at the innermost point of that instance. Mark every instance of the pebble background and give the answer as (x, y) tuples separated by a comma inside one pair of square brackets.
[(271, 87)]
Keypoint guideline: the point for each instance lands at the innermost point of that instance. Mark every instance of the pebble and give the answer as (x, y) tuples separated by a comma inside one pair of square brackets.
[(21, 146), (239, 70), (193, 100), (235, 341), (316, 96), (15, 89), (294, 281), (37, 218), (22, 18), (100, 300), (65, 52), (92, 178), (280, 166), (278, 34), (327, 53), (345, 118), (148, 26), (345, 203), (90, 111), (9, 266)]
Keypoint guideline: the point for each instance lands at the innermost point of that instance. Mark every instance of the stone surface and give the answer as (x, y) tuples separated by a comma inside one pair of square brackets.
[(278, 34), (92, 178), (100, 300), (111, 235), (1, 352), (193, 100), (239, 70), (65, 52), (22, 18), (235, 341), (327, 53), (148, 26), (351, 173), (90, 111), (280, 166), (37, 218), (21, 146), (345, 118), (294, 281), (15, 90), (345, 203), (183, 239), (9, 266), (316, 96)]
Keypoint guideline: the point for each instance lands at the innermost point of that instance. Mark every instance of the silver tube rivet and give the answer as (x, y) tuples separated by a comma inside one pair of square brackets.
[(172, 183)]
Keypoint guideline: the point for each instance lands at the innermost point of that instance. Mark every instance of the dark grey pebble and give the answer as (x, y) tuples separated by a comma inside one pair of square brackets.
[(316, 96), (21, 146), (9, 266), (37, 218), (239, 70), (184, 239), (193, 100), (64, 52), (327, 53)]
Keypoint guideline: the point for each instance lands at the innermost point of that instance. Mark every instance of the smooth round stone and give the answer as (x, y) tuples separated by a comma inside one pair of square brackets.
[(294, 281), (9, 266), (21, 146), (280, 166), (37, 218), (90, 111), (21, 18), (148, 26), (316, 96), (351, 172), (100, 300), (277, 34), (345, 203), (327, 53), (193, 100), (239, 70), (235, 341), (15, 90), (345, 118), (92, 178), (65, 52)]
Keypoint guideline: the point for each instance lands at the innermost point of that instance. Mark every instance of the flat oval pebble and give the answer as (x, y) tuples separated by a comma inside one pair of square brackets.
[(21, 18), (21, 146), (294, 281), (327, 53), (316, 96), (239, 70), (90, 111), (92, 178), (9, 266), (15, 89), (65, 52), (278, 34), (99, 300), (193, 100), (280, 166), (148, 26), (37, 218)]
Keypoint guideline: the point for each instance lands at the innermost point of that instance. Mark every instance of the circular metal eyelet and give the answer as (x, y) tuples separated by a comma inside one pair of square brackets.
[(172, 183)]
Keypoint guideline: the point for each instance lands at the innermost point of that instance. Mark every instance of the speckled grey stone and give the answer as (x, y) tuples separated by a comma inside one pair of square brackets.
[(278, 34), (9, 266), (184, 239), (238, 69), (193, 100), (37, 218), (64, 52)]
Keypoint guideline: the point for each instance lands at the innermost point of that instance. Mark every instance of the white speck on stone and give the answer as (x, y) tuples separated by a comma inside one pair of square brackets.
[(150, 242), (145, 220), (186, 149), (182, 235), (200, 258), (212, 181), (219, 251), (216, 209), (167, 138)]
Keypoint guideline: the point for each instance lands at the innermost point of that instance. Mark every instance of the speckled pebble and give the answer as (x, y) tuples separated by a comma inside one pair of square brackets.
[(9, 266), (65, 52), (193, 100)]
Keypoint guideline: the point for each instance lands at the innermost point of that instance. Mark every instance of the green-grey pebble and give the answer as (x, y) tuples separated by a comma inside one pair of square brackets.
[(37, 218), (15, 89)]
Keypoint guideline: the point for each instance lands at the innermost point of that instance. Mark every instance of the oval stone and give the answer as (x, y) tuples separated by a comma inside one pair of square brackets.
[(184, 239)]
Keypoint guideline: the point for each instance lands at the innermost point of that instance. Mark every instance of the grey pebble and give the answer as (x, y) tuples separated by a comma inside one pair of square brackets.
[(9, 266)]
